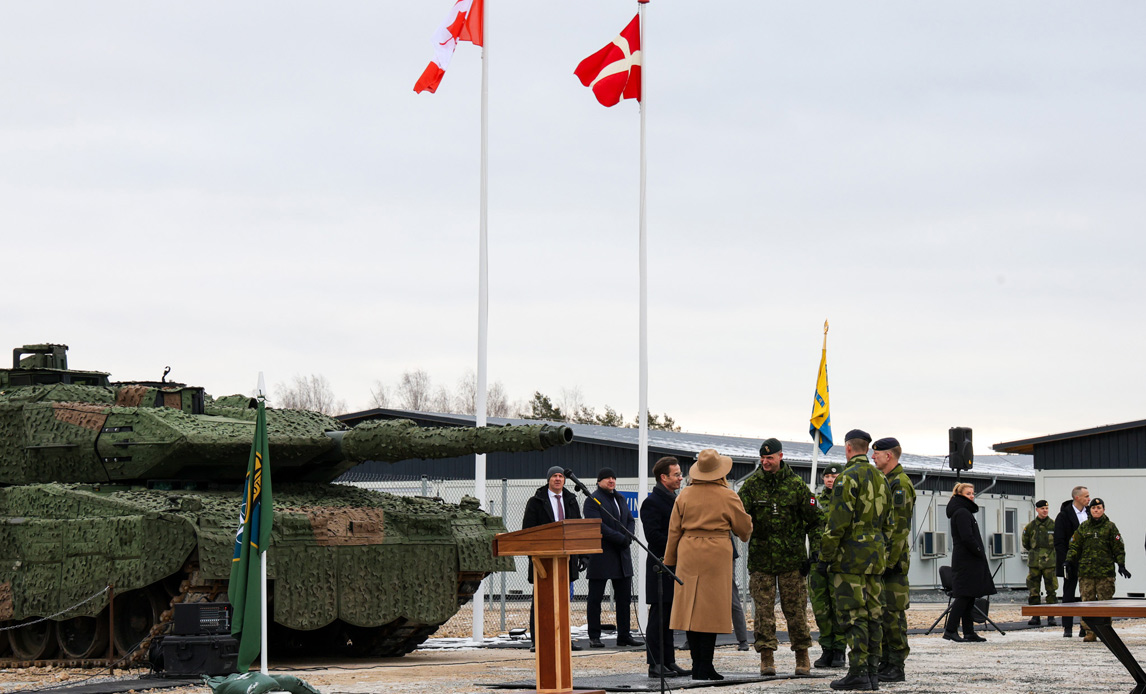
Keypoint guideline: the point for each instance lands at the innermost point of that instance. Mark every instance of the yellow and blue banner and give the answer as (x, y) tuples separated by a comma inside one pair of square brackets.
[(252, 538), (821, 413)]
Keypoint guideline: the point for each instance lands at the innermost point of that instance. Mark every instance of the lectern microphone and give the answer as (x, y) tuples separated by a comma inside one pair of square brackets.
[(577, 484)]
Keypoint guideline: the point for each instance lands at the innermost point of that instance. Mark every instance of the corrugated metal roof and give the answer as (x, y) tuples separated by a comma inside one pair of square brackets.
[(742, 449)]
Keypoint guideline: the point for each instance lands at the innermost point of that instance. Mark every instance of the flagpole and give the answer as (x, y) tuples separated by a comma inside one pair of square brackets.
[(815, 459), (264, 642), (643, 416), (483, 312)]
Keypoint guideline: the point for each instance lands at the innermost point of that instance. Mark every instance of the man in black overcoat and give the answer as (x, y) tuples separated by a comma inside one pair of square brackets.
[(1071, 514), (552, 502), (655, 513), (614, 563)]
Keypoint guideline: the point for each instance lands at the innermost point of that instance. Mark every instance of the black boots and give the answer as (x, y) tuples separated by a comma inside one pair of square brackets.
[(1035, 621), (854, 681), (953, 636), (891, 673), (831, 658)]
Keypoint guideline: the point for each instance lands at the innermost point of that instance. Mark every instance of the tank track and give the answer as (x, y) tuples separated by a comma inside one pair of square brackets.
[(391, 640)]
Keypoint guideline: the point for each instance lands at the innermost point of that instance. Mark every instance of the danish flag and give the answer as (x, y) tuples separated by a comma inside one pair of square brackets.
[(614, 72), (464, 23)]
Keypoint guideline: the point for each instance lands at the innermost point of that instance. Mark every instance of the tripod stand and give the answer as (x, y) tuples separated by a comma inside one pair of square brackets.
[(946, 580)]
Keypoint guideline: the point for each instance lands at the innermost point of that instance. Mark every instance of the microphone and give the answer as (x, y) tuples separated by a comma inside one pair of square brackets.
[(577, 484)]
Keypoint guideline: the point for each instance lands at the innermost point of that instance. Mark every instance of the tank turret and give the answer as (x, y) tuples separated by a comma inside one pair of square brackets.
[(58, 425), (137, 485)]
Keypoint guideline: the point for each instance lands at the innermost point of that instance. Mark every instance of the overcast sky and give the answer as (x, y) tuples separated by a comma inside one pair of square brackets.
[(959, 188)]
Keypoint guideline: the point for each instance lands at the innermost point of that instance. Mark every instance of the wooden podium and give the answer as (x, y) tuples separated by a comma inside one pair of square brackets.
[(549, 547)]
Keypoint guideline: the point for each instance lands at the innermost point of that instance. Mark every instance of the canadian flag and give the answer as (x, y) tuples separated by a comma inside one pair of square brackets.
[(614, 72), (464, 23)]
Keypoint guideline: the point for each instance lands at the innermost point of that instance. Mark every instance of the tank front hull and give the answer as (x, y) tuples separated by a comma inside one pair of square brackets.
[(386, 570)]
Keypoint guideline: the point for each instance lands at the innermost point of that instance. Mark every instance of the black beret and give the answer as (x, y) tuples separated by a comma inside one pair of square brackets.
[(1097, 502), (833, 469), (885, 444), (605, 473), (857, 434), (1041, 503), (771, 446)]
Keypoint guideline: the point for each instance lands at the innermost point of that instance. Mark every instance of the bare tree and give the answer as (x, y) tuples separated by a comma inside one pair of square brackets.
[(441, 402), (497, 402), (415, 390), (571, 401), (309, 393), (379, 395), (465, 402)]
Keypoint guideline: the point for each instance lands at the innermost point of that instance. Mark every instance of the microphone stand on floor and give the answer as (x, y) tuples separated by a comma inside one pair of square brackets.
[(660, 567)]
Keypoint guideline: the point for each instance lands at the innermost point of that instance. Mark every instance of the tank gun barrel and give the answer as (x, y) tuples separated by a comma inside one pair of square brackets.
[(401, 439)]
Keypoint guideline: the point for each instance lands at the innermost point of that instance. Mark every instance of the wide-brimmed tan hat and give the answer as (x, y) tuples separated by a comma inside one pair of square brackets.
[(710, 465)]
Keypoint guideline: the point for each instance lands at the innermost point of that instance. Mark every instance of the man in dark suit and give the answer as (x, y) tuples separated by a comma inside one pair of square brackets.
[(1071, 515), (551, 503), (655, 513), (614, 563)]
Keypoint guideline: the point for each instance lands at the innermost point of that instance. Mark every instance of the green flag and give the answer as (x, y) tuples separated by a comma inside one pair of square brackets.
[(252, 539)]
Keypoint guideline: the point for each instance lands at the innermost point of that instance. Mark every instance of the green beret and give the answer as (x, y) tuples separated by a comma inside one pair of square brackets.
[(770, 446), (833, 469)]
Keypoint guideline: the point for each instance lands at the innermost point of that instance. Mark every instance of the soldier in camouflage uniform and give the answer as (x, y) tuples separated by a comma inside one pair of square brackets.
[(896, 588), (854, 547), (823, 605), (784, 511), (1094, 550), (1038, 540)]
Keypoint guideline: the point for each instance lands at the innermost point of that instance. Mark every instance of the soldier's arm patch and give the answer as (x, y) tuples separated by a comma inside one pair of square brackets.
[(898, 498), (812, 501)]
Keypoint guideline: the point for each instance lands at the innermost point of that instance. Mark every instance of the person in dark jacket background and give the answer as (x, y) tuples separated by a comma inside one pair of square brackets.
[(614, 563), (1073, 513), (655, 513), (971, 577), (550, 503)]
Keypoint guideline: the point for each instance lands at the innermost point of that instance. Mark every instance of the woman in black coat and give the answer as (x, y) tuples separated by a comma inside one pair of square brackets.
[(971, 577)]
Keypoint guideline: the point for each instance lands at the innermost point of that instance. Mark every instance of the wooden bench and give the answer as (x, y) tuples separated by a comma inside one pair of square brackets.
[(1098, 614)]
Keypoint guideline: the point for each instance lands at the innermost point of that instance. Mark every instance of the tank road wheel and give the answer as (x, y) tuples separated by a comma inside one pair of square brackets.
[(34, 641), (135, 613), (83, 637)]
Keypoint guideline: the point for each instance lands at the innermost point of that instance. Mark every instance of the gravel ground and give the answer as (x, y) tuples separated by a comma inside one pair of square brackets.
[(1029, 660)]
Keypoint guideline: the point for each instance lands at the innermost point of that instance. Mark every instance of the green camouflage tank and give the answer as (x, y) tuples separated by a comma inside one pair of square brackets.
[(138, 486)]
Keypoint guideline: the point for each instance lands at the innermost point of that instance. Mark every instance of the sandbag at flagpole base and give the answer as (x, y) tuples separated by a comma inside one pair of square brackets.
[(258, 683)]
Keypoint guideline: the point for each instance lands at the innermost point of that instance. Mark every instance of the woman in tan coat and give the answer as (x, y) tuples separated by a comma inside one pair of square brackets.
[(698, 545)]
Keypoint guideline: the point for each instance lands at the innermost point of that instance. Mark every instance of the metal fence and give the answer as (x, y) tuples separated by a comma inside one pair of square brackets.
[(508, 594)]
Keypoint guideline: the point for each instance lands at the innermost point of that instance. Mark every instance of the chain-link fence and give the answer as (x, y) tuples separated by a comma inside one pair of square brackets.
[(508, 595)]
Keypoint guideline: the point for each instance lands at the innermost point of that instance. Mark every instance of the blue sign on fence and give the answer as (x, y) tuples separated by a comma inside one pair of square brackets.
[(631, 497)]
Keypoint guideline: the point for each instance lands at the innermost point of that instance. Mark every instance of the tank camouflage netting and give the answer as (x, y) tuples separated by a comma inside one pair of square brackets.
[(137, 486)]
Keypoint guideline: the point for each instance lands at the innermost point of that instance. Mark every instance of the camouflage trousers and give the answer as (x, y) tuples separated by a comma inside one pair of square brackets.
[(1094, 589), (793, 602), (824, 606), (896, 598), (1036, 578), (860, 610)]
